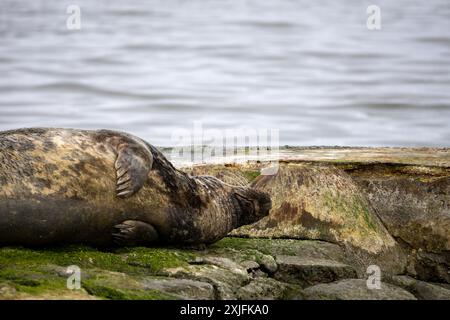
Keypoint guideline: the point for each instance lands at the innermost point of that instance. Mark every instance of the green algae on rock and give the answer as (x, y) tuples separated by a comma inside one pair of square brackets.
[(43, 272), (232, 268)]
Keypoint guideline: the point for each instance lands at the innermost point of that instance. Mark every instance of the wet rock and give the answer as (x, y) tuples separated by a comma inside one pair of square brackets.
[(414, 204), (264, 289), (250, 265), (384, 206), (226, 263), (304, 271), (263, 250), (428, 266), (324, 203), (268, 264), (355, 289), (7, 291), (225, 282), (422, 290), (258, 273), (320, 203), (184, 288), (121, 286)]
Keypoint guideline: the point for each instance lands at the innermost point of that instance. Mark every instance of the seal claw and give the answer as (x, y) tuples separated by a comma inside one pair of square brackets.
[(122, 187), (133, 232), (123, 179), (120, 172), (125, 193)]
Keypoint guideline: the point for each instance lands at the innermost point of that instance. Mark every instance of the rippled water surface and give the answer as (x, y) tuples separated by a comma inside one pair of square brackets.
[(311, 69)]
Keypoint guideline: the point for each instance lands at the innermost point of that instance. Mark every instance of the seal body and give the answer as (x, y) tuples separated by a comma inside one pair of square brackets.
[(60, 186)]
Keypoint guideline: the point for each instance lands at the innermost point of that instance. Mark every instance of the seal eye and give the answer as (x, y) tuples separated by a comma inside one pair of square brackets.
[(246, 206)]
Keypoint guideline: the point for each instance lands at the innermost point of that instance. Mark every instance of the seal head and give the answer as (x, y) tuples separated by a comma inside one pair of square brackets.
[(251, 205)]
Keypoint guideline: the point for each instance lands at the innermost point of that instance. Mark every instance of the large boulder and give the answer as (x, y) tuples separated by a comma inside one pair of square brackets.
[(414, 204), (385, 206), (423, 290), (355, 289), (308, 271), (263, 288), (318, 202), (324, 203)]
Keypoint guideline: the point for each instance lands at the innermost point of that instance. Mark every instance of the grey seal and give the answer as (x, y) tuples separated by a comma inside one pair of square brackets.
[(105, 188)]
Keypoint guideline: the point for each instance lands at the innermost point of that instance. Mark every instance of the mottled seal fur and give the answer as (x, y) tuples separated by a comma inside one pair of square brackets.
[(60, 186)]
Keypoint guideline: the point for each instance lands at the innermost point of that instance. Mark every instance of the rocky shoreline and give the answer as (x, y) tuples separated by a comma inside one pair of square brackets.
[(336, 211)]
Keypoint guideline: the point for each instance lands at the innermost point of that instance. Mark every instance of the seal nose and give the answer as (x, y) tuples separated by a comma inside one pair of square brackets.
[(252, 205)]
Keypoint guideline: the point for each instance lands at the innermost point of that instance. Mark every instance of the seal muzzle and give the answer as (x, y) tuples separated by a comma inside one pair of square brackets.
[(252, 205)]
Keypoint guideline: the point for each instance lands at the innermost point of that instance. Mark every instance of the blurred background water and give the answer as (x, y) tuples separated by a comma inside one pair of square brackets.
[(311, 69)]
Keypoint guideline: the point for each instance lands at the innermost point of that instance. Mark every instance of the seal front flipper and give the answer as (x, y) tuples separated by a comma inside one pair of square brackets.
[(134, 161), (134, 233), (132, 166)]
